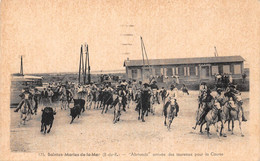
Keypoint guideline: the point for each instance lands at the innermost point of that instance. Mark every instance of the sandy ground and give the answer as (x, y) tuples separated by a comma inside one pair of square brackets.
[(94, 132)]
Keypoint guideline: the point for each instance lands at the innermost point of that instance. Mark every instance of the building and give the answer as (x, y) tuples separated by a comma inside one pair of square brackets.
[(186, 69)]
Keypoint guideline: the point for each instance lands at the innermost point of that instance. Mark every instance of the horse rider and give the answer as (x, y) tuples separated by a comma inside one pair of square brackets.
[(26, 95), (163, 93), (145, 100), (155, 89), (172, 96), (207, 102), (202, 90), (231, 95), (36, 99), (134, 88), (50, 94)]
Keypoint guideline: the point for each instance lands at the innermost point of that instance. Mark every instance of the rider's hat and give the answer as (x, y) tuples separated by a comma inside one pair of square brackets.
[(219, 89), (146, 84), (232, 86), (172, 86), (203, 83)]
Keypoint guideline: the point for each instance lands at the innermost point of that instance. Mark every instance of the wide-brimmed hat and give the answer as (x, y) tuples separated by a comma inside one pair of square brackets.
[(232, 86), (146, 84), (219, 89), (203, 83)]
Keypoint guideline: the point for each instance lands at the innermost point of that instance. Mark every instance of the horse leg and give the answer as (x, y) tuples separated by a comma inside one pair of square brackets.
[(103, 109), (106, 108), (240, 127), (72, 120), (165, 124), (42, 127), (45, 128), (229, 125), (222, 130), (207, 127), (170, 122), (232, 127), (139, 113), (201, 125), (49, 128)]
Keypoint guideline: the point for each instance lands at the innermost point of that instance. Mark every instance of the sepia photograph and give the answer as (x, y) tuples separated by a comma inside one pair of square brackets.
[(130, 80)]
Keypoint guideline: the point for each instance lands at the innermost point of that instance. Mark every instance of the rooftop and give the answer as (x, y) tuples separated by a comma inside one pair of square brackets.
[(176, 61)]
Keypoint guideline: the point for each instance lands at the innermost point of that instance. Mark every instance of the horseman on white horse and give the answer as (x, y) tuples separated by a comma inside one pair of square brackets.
[(26, 97), (231, 93)]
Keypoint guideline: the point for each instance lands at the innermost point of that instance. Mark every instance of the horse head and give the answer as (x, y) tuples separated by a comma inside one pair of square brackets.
[(239, 100)]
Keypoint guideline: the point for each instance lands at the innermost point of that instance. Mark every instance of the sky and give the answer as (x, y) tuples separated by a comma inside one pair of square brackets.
[(49, 33)]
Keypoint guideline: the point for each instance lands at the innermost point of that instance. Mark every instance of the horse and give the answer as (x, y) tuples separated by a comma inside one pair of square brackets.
[(25, 112), (99, 99), (107, 100), (212, 118), (234, 113), (154, 98), (117, 107), (64, 101), (169, 110)]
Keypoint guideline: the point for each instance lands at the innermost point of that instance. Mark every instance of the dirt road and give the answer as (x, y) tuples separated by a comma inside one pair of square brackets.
[(95, 132)]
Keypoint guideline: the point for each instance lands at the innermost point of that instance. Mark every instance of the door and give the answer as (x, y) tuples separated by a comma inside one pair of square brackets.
[(204, 72)]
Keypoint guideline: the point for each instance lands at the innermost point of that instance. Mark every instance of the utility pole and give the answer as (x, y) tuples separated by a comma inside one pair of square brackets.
[(85, 69), (89, 77), (81, 63), (21, 68)]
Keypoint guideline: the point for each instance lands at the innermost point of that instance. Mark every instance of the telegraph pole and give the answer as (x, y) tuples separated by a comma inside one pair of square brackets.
[(21, 68), (89, 77)]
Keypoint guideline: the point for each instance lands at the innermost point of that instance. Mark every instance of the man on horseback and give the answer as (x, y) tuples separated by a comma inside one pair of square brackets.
[(144, 100), (202, 90), (26, 96), (154, 89), (231, 95), (172, 97), (207, 102)]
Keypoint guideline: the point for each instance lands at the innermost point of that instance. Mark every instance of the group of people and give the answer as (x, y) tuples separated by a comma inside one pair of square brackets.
[(207, 100), (145, 96)]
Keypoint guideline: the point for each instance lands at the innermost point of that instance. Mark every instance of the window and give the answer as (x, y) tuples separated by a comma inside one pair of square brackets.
[(188, 71), (129, 73), (226, 69), (196, 70), (177, 71), (169, 71), (180, 71), (134, 73), (157, 71), (185, 69), (173, 71), (237, 69), (215, 70), (192, 71)]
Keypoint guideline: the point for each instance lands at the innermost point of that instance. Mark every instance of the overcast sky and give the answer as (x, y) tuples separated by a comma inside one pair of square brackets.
[(49, 33)]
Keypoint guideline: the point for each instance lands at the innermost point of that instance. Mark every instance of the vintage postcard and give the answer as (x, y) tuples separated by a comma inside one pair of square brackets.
[(130, 80)]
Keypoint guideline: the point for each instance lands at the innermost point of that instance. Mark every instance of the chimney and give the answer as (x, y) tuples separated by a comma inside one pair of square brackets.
[(127, 59)]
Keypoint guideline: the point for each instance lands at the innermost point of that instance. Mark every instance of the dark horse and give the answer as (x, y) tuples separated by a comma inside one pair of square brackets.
[(107, 100)]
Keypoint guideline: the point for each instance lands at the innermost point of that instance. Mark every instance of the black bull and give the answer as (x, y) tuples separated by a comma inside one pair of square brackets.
[(79, 105), (47, 119)]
